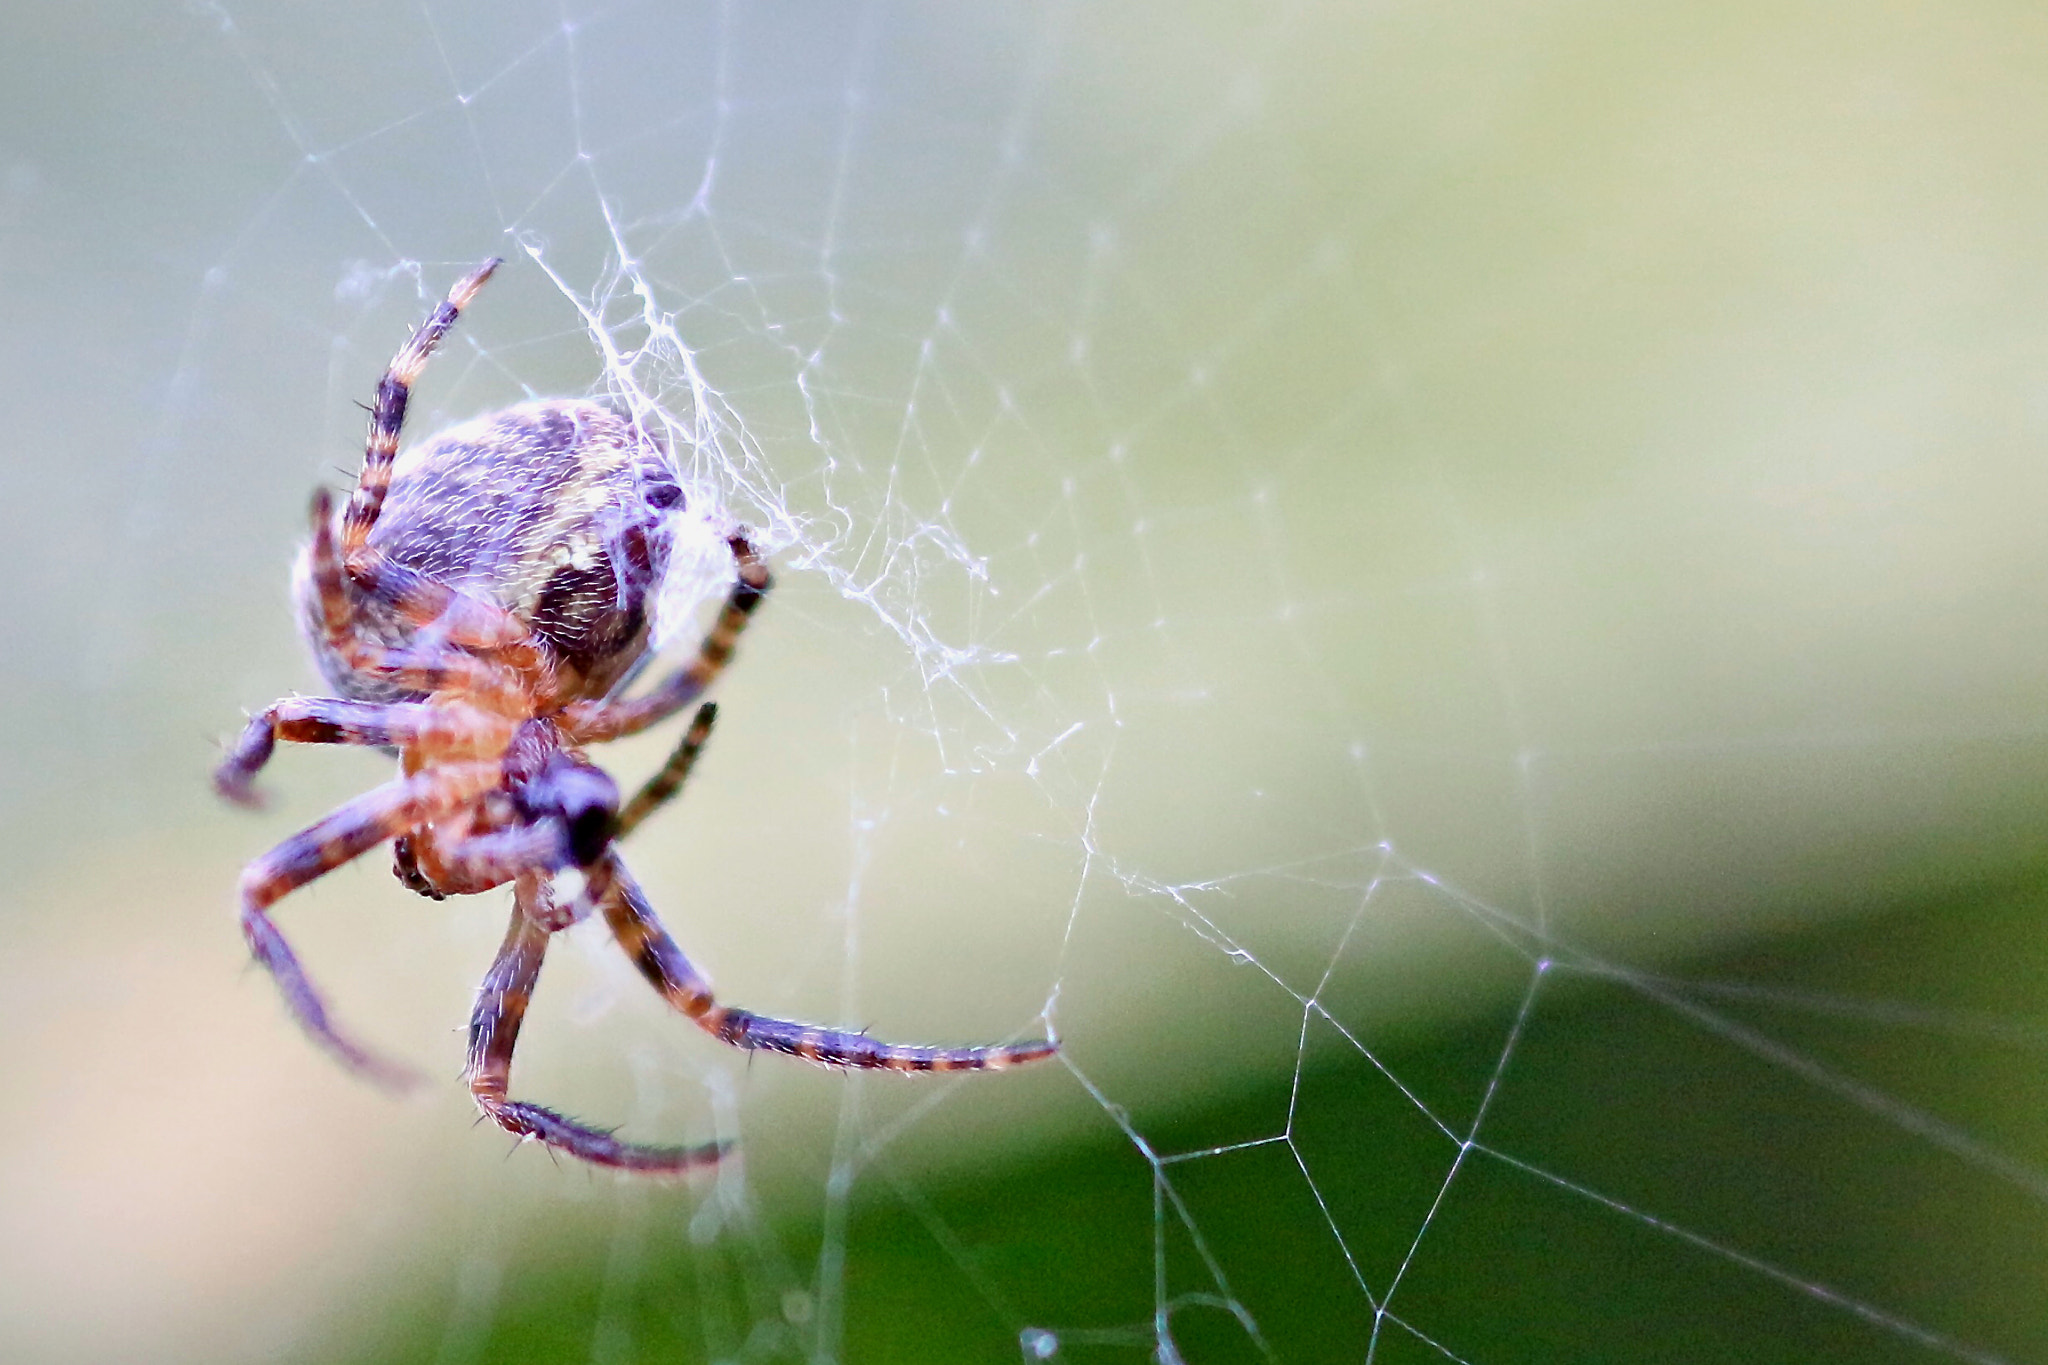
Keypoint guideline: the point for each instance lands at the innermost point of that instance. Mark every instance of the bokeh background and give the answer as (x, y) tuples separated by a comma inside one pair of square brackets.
[(1453, 593)]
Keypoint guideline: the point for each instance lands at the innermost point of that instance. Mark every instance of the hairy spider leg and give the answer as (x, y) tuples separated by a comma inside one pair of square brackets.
[(661, 788), (387, 419), (509, 685), (476, 863), (483, 685), (494, 1031), (335, 720), (640, 932), (353, 829), (458, 617), (596, 721)]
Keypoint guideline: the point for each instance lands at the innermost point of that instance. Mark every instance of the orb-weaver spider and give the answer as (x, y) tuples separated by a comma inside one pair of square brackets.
[(479, 605)]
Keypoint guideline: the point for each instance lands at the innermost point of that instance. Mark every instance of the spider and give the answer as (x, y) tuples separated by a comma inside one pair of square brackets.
[(480, 605)]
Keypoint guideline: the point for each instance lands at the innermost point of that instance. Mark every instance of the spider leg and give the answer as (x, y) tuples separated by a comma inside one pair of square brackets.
[(480, 862), (485, 685), (460, 617), (594, 721), (360, 825), (495, 685), (494, 1032), (329, 720), (662, 787), (638, 930), (387, 419)]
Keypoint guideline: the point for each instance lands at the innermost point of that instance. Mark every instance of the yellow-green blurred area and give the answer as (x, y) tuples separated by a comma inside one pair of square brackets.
[(1452, 594)]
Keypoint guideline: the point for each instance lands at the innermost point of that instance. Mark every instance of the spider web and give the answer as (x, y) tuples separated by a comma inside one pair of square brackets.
[(1301, 534)]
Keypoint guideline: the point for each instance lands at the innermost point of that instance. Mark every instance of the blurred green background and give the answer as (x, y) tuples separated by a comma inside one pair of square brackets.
[(1453, 592)]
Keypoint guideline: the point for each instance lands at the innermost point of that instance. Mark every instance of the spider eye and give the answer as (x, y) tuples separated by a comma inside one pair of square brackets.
[(663, 496)]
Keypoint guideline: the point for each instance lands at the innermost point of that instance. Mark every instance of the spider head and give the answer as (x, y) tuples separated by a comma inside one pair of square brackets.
[(581, 797)]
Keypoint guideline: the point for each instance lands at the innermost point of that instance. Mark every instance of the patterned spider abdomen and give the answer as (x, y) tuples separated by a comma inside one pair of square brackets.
[(562, 512)]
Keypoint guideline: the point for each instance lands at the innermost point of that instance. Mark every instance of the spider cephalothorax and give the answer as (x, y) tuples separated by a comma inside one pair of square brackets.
[(479, 604)]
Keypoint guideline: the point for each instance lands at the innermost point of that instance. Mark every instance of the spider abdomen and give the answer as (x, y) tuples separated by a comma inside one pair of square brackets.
[(560, 511)]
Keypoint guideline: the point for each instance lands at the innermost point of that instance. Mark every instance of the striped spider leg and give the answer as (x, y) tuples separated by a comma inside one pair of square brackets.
[(354, 829), (494, 1032), (661, 788), (641, 934), (591, 722)]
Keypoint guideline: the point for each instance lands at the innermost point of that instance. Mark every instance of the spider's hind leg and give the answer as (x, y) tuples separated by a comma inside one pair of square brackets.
[(494, 1032), (634, 924)]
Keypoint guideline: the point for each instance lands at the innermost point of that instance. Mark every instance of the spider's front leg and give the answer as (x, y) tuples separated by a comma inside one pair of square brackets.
[(494, 1033), (355, 828), (640, 932)]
